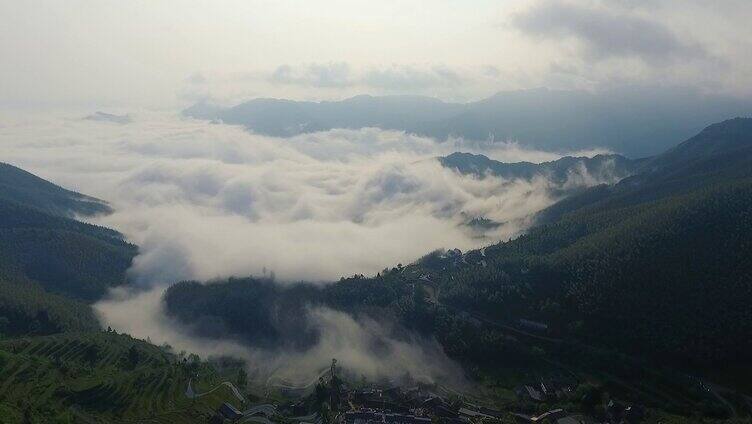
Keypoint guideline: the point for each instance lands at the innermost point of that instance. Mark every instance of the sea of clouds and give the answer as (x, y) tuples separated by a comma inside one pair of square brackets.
[(205, 200)]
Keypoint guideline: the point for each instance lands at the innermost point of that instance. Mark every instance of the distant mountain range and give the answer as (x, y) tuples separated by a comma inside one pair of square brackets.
[(602, 168), (109, 117), (635, 122)]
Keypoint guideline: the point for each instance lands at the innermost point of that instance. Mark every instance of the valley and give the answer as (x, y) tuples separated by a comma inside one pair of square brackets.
[(620, 302)]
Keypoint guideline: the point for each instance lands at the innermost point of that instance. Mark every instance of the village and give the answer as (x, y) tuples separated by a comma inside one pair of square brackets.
[(402, 401)]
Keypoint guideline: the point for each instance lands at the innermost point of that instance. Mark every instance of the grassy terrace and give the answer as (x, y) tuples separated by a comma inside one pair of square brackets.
[(101, 377)]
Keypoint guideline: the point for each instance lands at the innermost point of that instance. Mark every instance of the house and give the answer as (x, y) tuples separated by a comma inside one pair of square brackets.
[(615, 409), (380, 416), (405, 419), (571, 419), (230, 412), (532, 325), (469, 413), (528, 391), (361, 417), (550, 415)]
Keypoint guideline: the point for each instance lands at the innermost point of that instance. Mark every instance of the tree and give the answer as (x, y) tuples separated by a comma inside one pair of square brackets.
[(242, 380), (134, 356)]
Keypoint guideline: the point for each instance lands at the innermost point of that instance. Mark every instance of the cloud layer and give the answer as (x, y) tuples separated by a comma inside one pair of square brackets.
[(360, 345), (156, 55), (392, 79), (205, 201), (606, 33)]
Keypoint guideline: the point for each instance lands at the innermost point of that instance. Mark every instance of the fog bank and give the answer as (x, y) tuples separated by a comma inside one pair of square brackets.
[(203, 201)]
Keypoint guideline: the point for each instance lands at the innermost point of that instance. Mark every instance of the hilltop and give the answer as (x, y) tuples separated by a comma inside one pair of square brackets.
[(635, 122)]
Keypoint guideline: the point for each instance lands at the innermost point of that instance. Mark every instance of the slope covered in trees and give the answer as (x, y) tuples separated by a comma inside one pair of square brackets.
[(64, 256), (55, 363), (657, 265), (599, 167), (41, 243), (102, 377), (720, 153), (19, 186), (26, 309)]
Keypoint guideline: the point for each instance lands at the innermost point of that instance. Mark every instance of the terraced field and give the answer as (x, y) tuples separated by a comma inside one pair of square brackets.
[(101, 377)]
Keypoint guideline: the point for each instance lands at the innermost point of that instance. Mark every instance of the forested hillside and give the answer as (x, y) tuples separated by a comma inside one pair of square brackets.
[(607, 168), (26, 309), (56, 364), (102, 377), (657, 265), (41, 243), (64, 256), (721, 153), (51, 266), (19, 186)]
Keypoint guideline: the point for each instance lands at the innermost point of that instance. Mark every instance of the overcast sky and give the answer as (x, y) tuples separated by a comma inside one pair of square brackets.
[(167, 54)]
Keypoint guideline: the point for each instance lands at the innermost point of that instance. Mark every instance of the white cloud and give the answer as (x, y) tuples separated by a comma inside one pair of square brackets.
[(153, 54), (350, 340), (606, 33), (204, 201)]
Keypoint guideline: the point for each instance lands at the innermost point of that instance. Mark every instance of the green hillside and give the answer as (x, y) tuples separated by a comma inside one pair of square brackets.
[(632, 285), (658, 264), (623, 287), (600, 167), (101, 378), (669, 278), (55, 363), (64, 256), (26, 309), (41, 243), (19, 186), (720, 153)]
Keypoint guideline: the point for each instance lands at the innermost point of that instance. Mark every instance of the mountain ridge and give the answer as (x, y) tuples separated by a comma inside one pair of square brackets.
[(25, 188), (652, 246), (41, 243), (637, 123), (603, 167)]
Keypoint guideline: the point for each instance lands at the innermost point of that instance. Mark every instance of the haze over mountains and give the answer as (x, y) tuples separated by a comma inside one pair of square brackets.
[(376, 212), (599, 167), (656, 265), (633, 121), (636, 275)]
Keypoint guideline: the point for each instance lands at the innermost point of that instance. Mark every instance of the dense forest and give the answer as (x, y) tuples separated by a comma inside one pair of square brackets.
[(634, 282), (22, 187), (657, 265), (40, 243), (27, 309), (56, 364), (604, 167)]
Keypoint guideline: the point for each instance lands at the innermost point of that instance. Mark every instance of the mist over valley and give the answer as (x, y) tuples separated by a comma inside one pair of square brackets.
[(393, 212)]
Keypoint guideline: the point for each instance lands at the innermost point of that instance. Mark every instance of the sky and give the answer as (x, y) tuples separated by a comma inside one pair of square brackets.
[(204, 201), (169, 54)]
